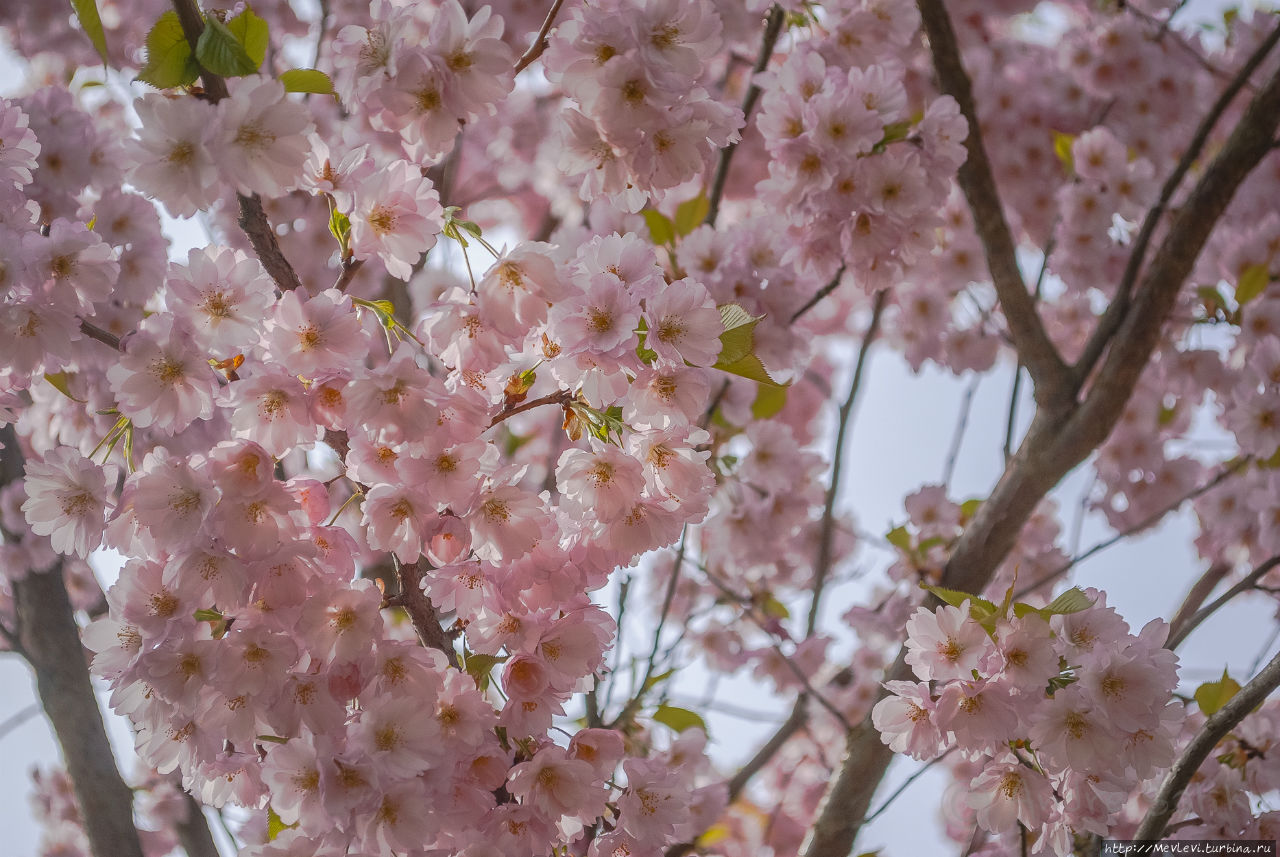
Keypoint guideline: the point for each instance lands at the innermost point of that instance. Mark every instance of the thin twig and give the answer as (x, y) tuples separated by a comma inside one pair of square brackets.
[(540, 41), (1179, 632), (957, 436), (772, 28), (826, 534), (633, 705), (21, 716), (905, 785), (1148, 521), (349, 269), (106, 337), (1198, 749), (818, 295), (560, 397)]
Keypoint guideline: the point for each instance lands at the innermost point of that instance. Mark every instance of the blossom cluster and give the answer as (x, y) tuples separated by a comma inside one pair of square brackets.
[(1060, 712)]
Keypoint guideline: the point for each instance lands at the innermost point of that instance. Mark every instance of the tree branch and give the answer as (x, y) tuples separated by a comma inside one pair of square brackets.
[(106, 337), (772, 28), (1215, 728), (193, 831), (560, 397), (253, 219), (50, 641), (540, 41), (421, 611), (1035, 350), (826, 535)]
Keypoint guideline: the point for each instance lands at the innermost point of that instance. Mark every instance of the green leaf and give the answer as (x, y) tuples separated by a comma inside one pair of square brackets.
[(273, 739), (205, 614), (220, 51), (61, 382), (900, 539), (737, 344), (1212, 695), (969, 507), (894, 132), (979, 608), (307, 80), (1253, 282), (654, 679), (679, 719), (252, 34), (91, 22), (275, 824), (773, 608), (770, 400), (1062, 148), (340, 228), (1072, 600), (479, 667), (661, 229), (169, 60), (691, 213)]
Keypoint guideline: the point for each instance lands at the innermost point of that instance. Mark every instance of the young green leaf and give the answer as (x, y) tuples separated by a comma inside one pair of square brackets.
[(661, 229), (691, 213), (1072, 600), (219, 51), (307, 80), (979, 608), (770, 400), (1212, 695), (1253, 282), (91, 22), (169, 60), (679, 719), (1062, 148), (252, 34)]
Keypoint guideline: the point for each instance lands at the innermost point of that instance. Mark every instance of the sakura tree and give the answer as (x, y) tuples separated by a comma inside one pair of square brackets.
[(519, 331)]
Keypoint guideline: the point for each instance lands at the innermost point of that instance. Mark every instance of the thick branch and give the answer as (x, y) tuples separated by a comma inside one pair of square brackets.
[(422, 612), (253, 219), (193, 831), (1034, 348), (772, 28), (1218, 725), (826, 535), (50, 641)]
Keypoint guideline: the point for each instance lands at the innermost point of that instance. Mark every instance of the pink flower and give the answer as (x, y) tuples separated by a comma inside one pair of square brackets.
[(160, 381), (224, 294), (603, 483), (945, 644), (1007, 792), (67, 500), (979, 715), (76, 267), (311, 334), (557, 785), (271, 408), (18, 145), (262, 139), (397, 217), (172, 157), (395, 736), (683, 324), (506, 523), (397, 518), (905, 720), (603, 319)]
